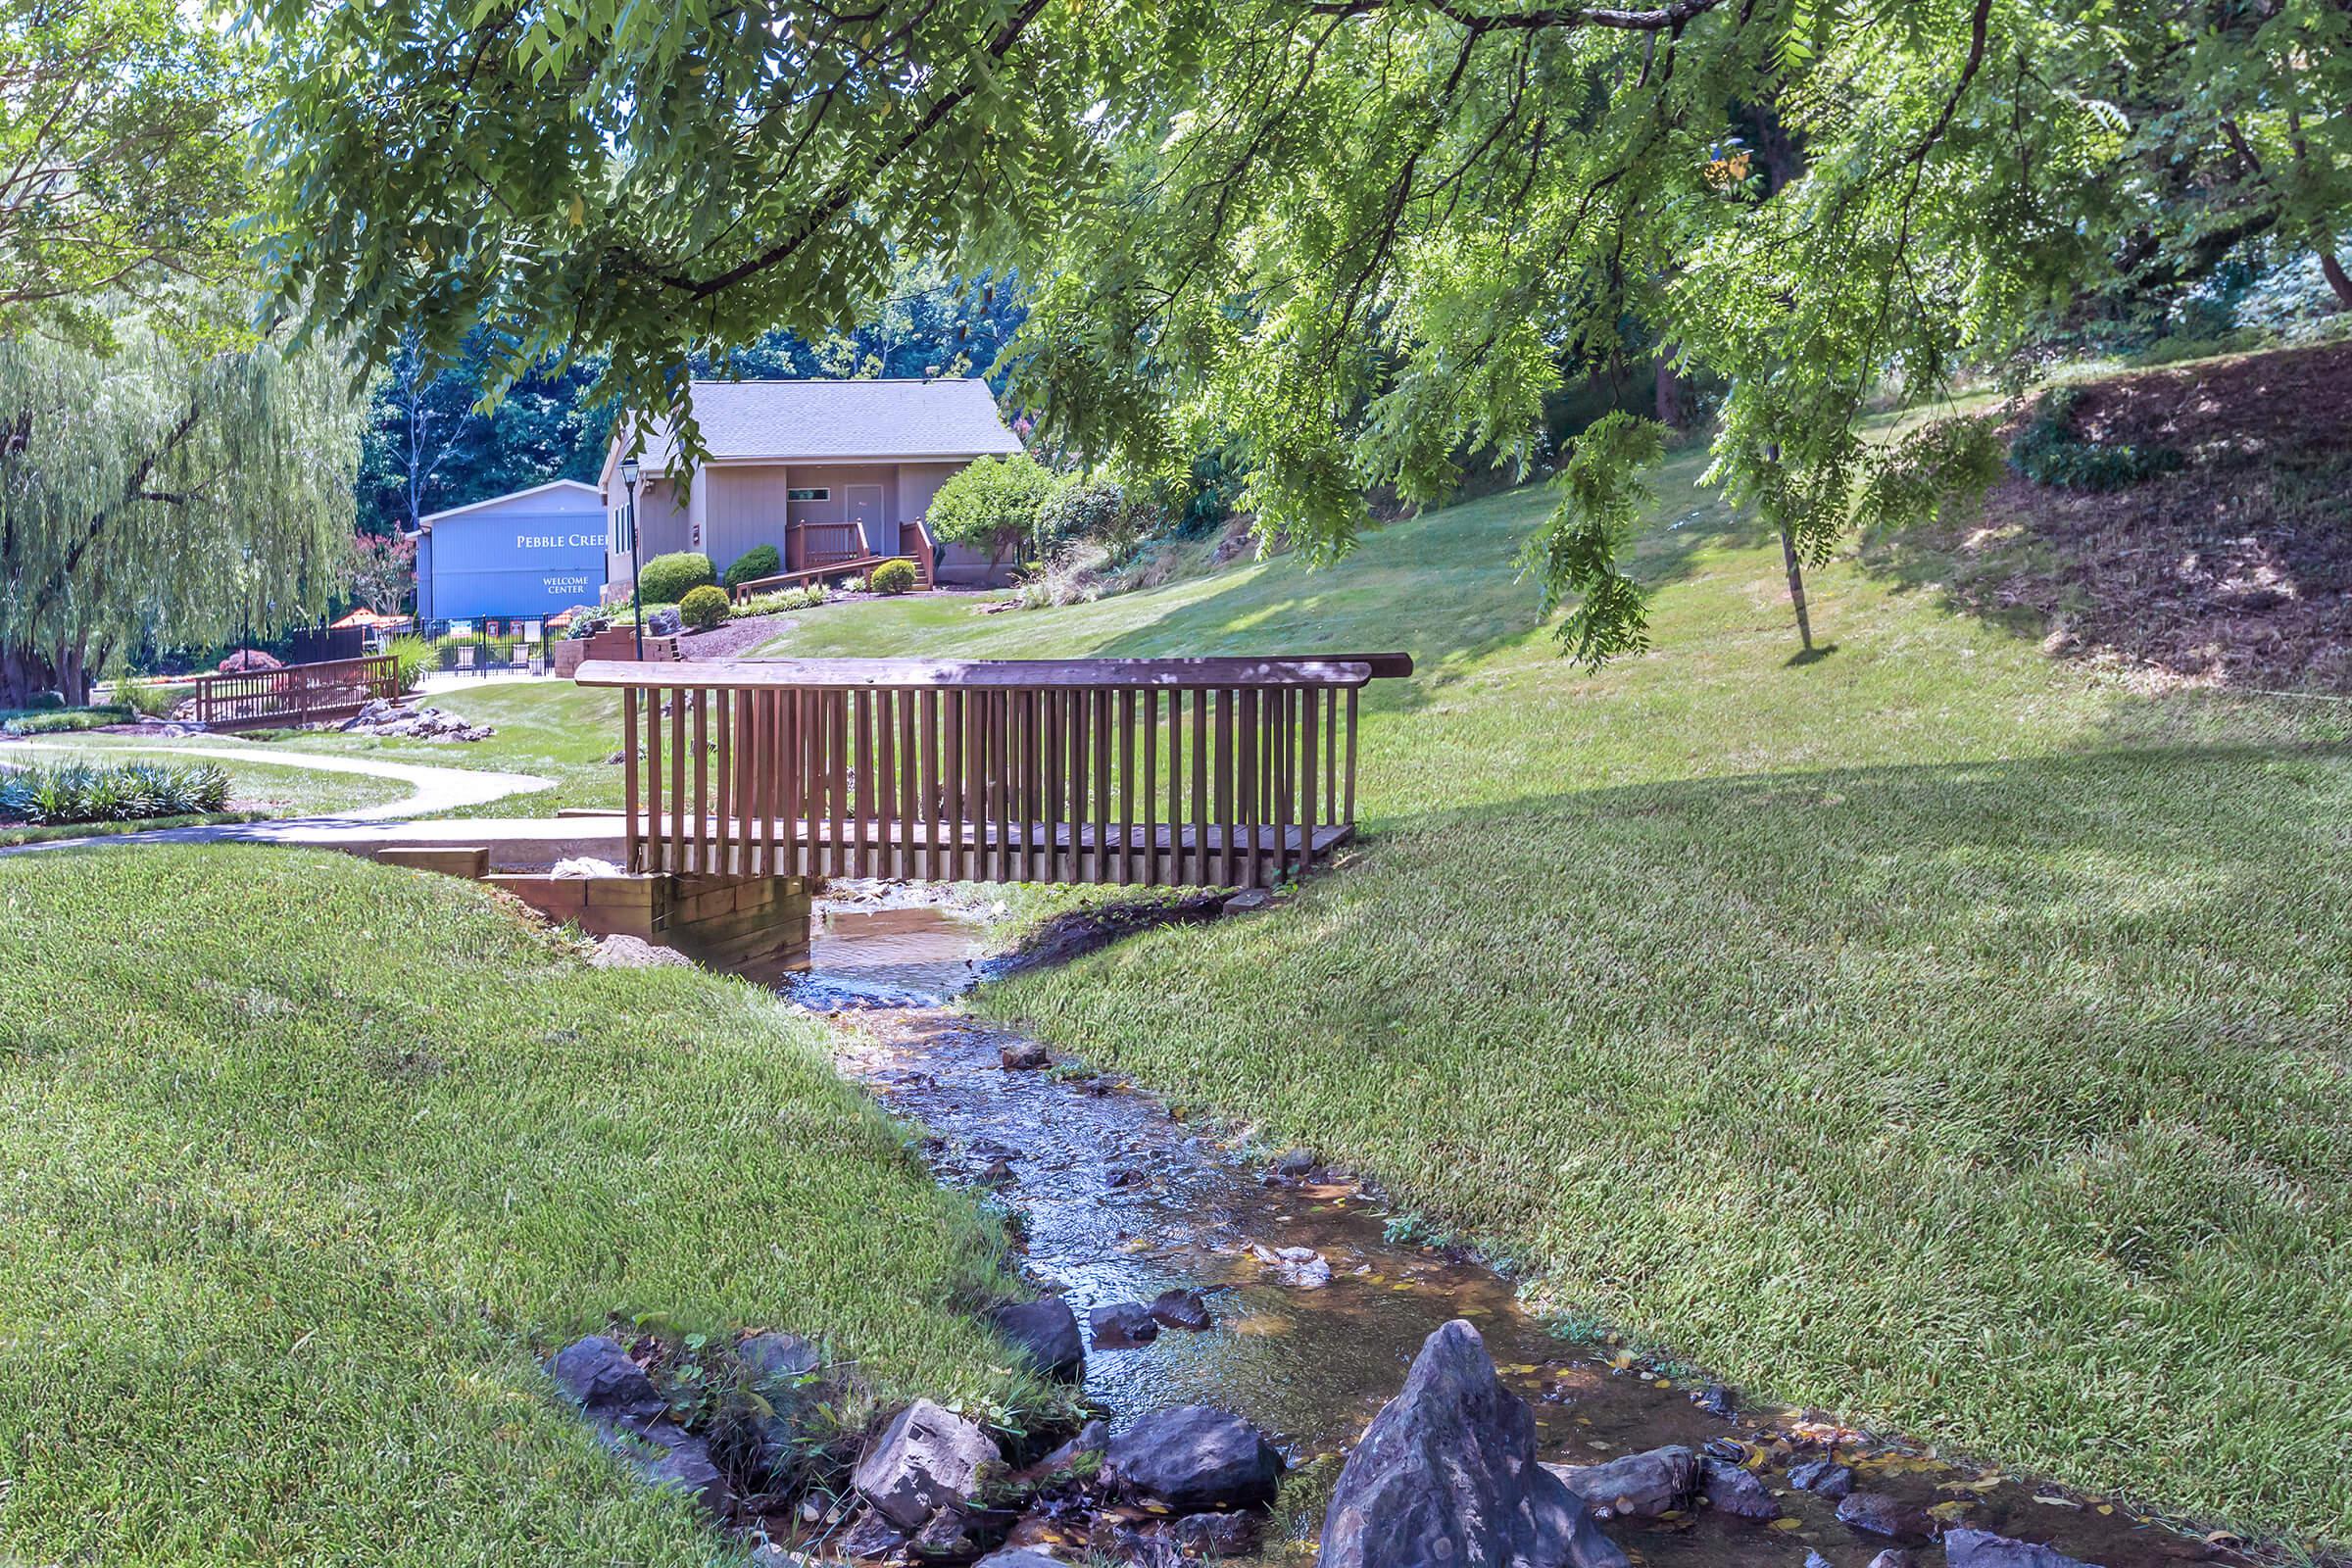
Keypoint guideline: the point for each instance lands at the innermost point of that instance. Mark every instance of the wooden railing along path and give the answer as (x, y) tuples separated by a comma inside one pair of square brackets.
[(1201, 772), (297, 694)]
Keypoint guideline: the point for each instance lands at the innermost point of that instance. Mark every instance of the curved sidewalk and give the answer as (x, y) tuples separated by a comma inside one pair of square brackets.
[(361, 829)]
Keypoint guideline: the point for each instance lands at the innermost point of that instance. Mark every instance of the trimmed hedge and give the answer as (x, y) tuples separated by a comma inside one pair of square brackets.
[(704, 608), (761, 561), (892, 577), (668, 579)]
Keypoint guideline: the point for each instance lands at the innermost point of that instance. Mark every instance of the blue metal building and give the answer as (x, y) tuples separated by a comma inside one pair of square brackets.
[(525, 555)]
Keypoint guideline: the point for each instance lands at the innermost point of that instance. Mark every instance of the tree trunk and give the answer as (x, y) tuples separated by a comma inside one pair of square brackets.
[(1672, 414), (1796, 588), (2337, 279), (24, 674)]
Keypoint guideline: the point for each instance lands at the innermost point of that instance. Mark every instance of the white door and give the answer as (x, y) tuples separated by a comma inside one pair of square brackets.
[(866, 510)]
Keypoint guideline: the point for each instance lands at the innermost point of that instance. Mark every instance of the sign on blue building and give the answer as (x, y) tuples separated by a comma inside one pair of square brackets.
[(523, 556)]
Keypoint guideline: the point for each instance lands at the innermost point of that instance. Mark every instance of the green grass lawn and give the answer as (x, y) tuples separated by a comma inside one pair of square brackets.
[(552, 729), (256, 786), (1927, 1030), (308, 1160)]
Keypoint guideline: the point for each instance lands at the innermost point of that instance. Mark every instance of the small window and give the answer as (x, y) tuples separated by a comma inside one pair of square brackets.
[(821, 493)]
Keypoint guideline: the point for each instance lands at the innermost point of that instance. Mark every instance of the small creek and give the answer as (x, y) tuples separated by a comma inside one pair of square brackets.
[(1121, 1200)]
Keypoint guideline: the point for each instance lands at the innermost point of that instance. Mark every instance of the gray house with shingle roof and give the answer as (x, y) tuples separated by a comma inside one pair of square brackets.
[(827, 471)]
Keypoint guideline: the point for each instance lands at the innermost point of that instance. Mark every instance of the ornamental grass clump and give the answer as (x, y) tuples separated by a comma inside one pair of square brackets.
[(54, 793)]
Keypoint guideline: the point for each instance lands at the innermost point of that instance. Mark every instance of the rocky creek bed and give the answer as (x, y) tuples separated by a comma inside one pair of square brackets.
[(1243, 1321)]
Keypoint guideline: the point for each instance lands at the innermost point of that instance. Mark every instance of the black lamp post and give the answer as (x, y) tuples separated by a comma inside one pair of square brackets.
[(628, 477)]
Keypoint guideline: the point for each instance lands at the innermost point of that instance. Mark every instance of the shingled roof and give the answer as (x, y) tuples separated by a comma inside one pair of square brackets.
[(838, 421)]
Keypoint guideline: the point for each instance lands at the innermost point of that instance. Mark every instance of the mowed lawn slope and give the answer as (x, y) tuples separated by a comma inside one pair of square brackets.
[(305, 1161), (1923, 1031)]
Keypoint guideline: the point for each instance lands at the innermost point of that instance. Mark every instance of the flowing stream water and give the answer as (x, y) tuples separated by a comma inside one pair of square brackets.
[(1121, 1201)]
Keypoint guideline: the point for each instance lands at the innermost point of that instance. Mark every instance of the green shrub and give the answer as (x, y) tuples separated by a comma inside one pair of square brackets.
[(783, 598), (892, 578), (105, 792), (991, 505), (667, 579), (705, 607), (411, 658), (2047, 451), (54, 720), (761, 561), (149, 699)]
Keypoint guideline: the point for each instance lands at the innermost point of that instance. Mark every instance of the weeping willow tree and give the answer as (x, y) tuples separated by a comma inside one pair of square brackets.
[(166, 490)]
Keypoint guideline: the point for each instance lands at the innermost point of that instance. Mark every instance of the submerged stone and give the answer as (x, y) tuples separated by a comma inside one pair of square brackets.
[(1122, 1325), (1181, 1309), (1735, 1490), (1878, 1514), (1195, 1460), (1639, 1486), (1824, 1478), (1045, 1334), (1982, 1548)]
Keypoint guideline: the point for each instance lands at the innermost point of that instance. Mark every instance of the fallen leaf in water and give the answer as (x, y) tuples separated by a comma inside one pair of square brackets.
[(2106, 1509), (1786, 1523), (2056, 1503)]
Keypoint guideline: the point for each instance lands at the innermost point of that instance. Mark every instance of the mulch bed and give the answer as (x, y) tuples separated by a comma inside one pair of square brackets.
[(2233, 571)]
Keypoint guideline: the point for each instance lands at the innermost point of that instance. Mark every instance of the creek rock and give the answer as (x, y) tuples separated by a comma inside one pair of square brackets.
[(1814, 1559), (605, 1383), (682, 1462), (1982, 1548), (1735, 1490), (1300, 1267), (870, 1536), (1092, 1441), (1195, 1460), (1046, 1333), (1019, 1558), (1824, 1478), (1876, 1513), (1023, 1055), (1181, 1309), (1895, 1558), (1638, 1485), (1447, 1475), (925, 1460), (1715, 1399), (1294, 1163), (1122, 1326), (1216, 1535)]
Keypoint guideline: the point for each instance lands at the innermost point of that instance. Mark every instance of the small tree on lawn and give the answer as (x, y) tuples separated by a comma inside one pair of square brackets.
[(993, 506)]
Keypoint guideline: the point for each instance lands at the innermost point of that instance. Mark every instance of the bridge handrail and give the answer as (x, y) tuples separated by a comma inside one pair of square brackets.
[(1112, 674), (1201, 772)]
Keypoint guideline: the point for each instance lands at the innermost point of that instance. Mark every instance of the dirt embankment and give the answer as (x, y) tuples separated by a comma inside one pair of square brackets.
[(2235, 570)]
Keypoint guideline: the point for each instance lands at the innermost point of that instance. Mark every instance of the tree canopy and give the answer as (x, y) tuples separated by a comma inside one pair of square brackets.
[(1354, 242)]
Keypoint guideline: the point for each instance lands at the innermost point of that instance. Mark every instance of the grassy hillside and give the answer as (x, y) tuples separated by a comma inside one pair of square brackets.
[(307, 1160), (1932, 1029)]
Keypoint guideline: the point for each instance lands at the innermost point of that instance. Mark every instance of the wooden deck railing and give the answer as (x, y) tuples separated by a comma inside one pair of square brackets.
[(824, 544), (1202, 772), (298, 694)]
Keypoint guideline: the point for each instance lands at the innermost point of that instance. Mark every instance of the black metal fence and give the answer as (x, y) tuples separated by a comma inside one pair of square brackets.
[(493, 646)]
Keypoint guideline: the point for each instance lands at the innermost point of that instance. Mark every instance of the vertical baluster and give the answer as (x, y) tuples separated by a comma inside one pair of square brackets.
[(1251, 801), (654, 854), (1310, 710), (1151, 786), (1287, 774), (935, 804), (1224, 780), (701, 857), (910, 784), (1126, 701), (1347, 816), (677, 778), (951, 785), (836, 786), (723, 770), (1050, 762), (1331, 766), (1077, 719), (1200, 794), (785, 783), (628, 802), (817, 776), (862, 782)]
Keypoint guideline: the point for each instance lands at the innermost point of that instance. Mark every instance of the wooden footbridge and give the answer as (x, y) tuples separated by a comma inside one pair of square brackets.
[(1196, 772)]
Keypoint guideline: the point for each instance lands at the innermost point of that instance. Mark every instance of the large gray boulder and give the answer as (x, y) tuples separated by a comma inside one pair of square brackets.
[(1639, 1486), (926, 1458), (1045, 1334), (1982, 1548), (1446, 1476), (1193, 1459)]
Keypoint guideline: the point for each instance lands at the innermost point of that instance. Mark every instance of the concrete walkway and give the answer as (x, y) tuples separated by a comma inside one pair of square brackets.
[(365, 828)]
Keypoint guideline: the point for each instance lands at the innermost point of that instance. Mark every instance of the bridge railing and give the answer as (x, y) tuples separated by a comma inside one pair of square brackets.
[(1204, 772)]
